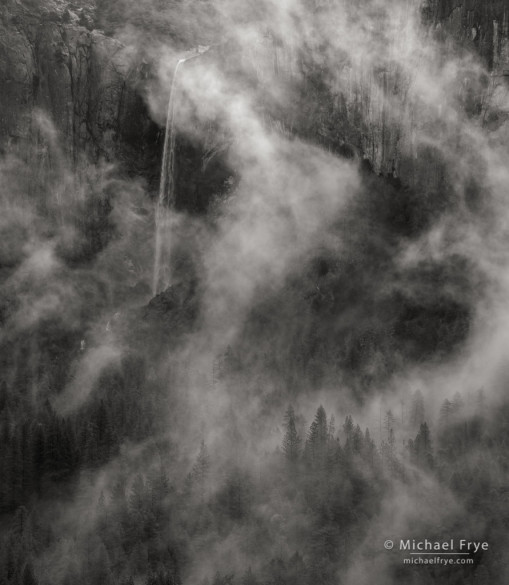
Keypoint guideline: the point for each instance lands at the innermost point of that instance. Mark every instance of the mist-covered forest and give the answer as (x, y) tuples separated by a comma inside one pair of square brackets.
[(253, 293)]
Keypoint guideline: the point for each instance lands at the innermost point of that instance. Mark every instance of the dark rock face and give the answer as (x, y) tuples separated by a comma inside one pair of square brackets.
[(478, 24), (81, 79), (53, 60)]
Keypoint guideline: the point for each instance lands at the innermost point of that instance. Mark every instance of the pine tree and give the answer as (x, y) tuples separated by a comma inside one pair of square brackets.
[(333, 446), (291, 439), (389, 422), (423, 454), (316, 444), (236, 495), (159, 485), (391, 440), (332, 428), (357, 440), (348, 427), (445, 413), (369, 447), (417, 412)]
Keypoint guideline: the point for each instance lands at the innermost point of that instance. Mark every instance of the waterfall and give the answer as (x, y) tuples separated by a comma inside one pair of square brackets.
[(166, 182)]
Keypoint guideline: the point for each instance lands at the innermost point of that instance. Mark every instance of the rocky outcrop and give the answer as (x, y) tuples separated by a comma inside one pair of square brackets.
[(481, 25), (82, 80), (53, 58)]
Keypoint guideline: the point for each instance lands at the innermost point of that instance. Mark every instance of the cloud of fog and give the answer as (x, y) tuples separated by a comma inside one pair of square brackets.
[(411, 86), (75, 240), (411, 92), (376, 53)]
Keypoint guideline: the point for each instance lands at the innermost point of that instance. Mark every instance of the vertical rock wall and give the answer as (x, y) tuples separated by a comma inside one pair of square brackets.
[(81, 79)]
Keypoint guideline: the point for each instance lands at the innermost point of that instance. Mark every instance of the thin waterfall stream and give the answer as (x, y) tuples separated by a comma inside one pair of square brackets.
[(166, 197), (166, 182)]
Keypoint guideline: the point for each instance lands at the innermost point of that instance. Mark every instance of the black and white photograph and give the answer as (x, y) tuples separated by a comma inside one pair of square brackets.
[(254, 292)]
